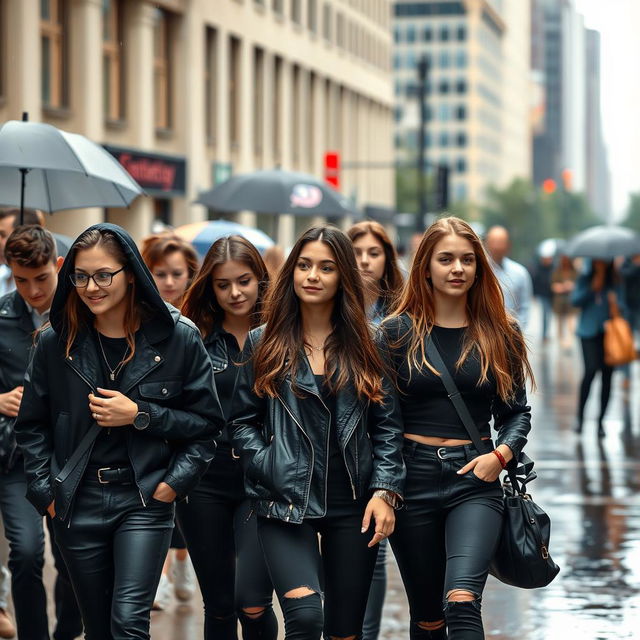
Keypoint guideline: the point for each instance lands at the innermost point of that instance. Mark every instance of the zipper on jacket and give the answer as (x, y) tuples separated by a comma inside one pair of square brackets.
[(326, 464), (344, 457)]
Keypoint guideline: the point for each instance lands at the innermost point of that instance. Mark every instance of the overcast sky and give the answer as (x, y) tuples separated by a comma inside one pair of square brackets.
[(619, 24)]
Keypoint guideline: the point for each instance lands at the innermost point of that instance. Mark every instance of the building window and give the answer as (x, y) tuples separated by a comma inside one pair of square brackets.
[(210, 84), (444, 112), (277, 108), (461, 139), (296, 11), (444, 33), (278, 6), (112, 76), (411, 33), (326, 21), (53, 39), (295, 113), (443, 86), (162, 69), (397, 34), (461, 33), (258, 99), (234, 91), (312, 15), (445, 60), (461, 85), (461, 165), (427, 34), (340, 30), (461, 59), (461, 112), (444, 139)]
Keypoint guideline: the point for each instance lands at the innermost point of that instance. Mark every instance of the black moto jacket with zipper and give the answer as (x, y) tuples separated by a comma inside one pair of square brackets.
[(170, 377), (279, 438)]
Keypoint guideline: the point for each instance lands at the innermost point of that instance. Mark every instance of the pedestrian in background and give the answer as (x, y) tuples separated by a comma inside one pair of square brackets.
[(513, 277), (630, 273), (378, 264), (317, 428), (563, 281), (591, 296), (30, 253), (447, 533), (541, 278), (273, 260), (173, 263), (225, 302), (118, 418)]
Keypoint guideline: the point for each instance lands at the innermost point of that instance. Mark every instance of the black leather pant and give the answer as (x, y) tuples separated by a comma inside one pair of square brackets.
[(25, 533), (227, 557), (445, 538), (114, 548)]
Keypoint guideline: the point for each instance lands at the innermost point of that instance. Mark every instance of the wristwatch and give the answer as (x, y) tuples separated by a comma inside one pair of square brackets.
[(142, 420), (389, 497)]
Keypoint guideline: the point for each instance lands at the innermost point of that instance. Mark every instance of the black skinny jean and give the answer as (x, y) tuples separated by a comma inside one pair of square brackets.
[(226, 555), (341, 563), (114, 548), (25, 533), (593, 355), (445, 538)]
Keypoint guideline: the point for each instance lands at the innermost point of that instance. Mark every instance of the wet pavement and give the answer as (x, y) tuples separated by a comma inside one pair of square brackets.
[(590, 490)]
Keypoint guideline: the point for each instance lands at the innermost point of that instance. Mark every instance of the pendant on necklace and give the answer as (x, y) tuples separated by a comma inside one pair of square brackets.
[(112, 375)]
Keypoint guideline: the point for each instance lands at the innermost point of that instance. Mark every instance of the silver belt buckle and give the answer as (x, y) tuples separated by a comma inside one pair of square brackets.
[(441, 453), (233, 454), (100, 480)]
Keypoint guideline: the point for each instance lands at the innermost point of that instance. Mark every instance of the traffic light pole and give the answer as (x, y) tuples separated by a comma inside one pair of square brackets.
[(423, 74)]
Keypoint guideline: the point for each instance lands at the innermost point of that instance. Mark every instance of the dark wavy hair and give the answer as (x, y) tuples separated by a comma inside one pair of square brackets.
[(350, 352), (30, 246), (200, 304)]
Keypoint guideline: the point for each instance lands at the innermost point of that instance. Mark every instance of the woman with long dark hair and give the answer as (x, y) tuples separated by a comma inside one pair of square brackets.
[(446, 535), (317, 427), (591, 295), (118, 420), (378, 265), (225, 303)]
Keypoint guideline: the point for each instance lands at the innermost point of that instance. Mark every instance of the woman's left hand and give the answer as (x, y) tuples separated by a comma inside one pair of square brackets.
[(112, 410), (486, 467), (384, 517), (164, 493)]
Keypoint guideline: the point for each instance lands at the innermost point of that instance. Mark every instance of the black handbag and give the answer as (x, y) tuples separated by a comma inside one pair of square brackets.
[(8, 444), (522, 557)]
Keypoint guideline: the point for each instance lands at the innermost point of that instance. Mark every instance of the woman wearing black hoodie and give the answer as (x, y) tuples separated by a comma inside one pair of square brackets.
[(118, 419)]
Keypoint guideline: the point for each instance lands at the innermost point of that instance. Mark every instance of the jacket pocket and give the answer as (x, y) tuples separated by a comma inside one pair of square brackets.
[(160, 390)]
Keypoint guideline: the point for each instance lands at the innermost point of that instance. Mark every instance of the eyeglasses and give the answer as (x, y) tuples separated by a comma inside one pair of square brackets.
[(101, 278)]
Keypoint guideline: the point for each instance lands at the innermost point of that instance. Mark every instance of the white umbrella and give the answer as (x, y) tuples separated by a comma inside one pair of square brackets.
[(42, 167)]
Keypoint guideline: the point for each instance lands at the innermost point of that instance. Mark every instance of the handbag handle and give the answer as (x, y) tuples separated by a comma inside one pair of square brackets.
[(524, 465), (614, 309)]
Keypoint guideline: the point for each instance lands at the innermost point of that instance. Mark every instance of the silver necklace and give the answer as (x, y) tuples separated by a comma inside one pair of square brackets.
[(316, 348), (113, 373)]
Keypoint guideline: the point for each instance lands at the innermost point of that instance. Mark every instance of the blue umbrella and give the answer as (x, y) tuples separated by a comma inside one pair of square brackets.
[(203, 234)]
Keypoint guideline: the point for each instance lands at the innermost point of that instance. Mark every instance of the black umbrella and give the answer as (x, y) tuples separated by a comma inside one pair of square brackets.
[(604, 242), (275, 191)]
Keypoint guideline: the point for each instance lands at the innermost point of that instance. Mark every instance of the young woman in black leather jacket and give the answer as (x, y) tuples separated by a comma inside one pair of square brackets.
[(446, 535), (225, 302), (118, 419), (317, 427)]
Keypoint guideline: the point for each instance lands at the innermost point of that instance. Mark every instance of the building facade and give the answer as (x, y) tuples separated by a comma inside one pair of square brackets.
[(187, 92), (478, 93)]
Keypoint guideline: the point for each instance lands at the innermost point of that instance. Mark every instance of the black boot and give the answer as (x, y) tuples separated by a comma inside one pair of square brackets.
[(601, 432)]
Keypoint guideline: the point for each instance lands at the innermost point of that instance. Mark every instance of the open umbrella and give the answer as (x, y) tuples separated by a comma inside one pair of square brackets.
[(42, 167), (203, 234), (604, 242), (551, 247), (276, 191)]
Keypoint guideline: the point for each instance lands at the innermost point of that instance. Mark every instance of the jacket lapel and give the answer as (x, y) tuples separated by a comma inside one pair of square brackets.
[(145, 360)]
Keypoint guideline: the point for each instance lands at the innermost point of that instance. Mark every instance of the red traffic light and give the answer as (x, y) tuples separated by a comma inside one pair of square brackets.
[(549, 186), (332, 169)]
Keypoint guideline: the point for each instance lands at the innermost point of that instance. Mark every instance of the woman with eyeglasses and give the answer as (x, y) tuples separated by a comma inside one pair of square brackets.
[(118, 420)]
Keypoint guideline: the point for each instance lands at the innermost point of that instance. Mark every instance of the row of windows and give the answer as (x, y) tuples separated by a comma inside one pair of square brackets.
[(443, 112), (413, 9), (443, 86), (446, 33), (444, 59)]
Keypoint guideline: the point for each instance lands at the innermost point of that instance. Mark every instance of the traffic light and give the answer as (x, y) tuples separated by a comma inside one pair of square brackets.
[(567, 179), (332, 169), (442, 187), (549, 186)]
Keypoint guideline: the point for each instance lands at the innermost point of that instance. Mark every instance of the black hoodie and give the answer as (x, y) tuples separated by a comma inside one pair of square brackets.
[(170, 377)]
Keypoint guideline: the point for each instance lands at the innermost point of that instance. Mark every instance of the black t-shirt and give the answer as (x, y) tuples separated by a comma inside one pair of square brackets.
[(225, 380), (110, 448), (426, 407)]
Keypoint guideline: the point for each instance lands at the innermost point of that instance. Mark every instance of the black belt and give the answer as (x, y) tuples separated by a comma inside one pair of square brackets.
[(457, 452), (110, 475)]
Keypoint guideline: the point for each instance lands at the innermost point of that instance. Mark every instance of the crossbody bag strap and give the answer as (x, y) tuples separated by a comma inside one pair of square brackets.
[(454, 396), (80, 450)]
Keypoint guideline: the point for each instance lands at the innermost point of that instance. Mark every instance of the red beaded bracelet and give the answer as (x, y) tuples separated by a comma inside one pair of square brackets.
[(503, 462)]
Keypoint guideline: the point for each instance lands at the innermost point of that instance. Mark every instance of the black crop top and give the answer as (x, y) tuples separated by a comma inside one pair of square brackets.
[(426, 407)]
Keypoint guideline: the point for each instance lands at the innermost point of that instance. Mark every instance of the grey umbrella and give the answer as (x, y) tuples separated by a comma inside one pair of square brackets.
[(275, 191), (604, 242), (44, 168)]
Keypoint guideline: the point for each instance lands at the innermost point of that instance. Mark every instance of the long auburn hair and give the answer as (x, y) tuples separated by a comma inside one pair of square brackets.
[(391, 282), (492, 333), (200, 304), (350, 352), (76, 312)]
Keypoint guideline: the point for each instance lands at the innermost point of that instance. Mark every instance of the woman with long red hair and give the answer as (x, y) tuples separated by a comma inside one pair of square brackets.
[(446, 535), (317, 427)]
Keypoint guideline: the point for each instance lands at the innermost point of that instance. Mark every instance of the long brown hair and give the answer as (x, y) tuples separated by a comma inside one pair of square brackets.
[(391, 282), (351, 355), (76, 312), (492, 333), (200, 304)]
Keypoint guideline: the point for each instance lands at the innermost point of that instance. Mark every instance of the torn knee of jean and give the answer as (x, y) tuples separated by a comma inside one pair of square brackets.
[(343, 637), (461, 595), (300, 592), (431, 626), (253, 613)]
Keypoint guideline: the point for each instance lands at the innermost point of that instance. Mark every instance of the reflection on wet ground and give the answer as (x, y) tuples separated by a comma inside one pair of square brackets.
[(590, 490)]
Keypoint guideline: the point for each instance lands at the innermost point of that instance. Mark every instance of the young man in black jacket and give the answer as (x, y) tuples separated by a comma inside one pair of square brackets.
[(31, 254)]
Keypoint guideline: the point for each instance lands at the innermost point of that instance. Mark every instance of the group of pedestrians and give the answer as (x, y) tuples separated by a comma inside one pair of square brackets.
[(289, 425)]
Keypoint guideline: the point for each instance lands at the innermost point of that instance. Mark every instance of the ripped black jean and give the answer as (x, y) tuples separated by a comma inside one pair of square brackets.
[(339, 564), (445, 538)]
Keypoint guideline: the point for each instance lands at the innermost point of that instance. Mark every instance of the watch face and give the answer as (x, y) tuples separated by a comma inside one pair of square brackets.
[(142, 420)]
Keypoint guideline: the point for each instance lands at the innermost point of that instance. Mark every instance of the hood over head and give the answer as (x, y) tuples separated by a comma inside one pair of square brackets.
[(147, 292)]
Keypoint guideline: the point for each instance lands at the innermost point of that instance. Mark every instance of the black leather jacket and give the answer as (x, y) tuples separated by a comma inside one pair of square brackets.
[(170, 377), (278, 443)]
